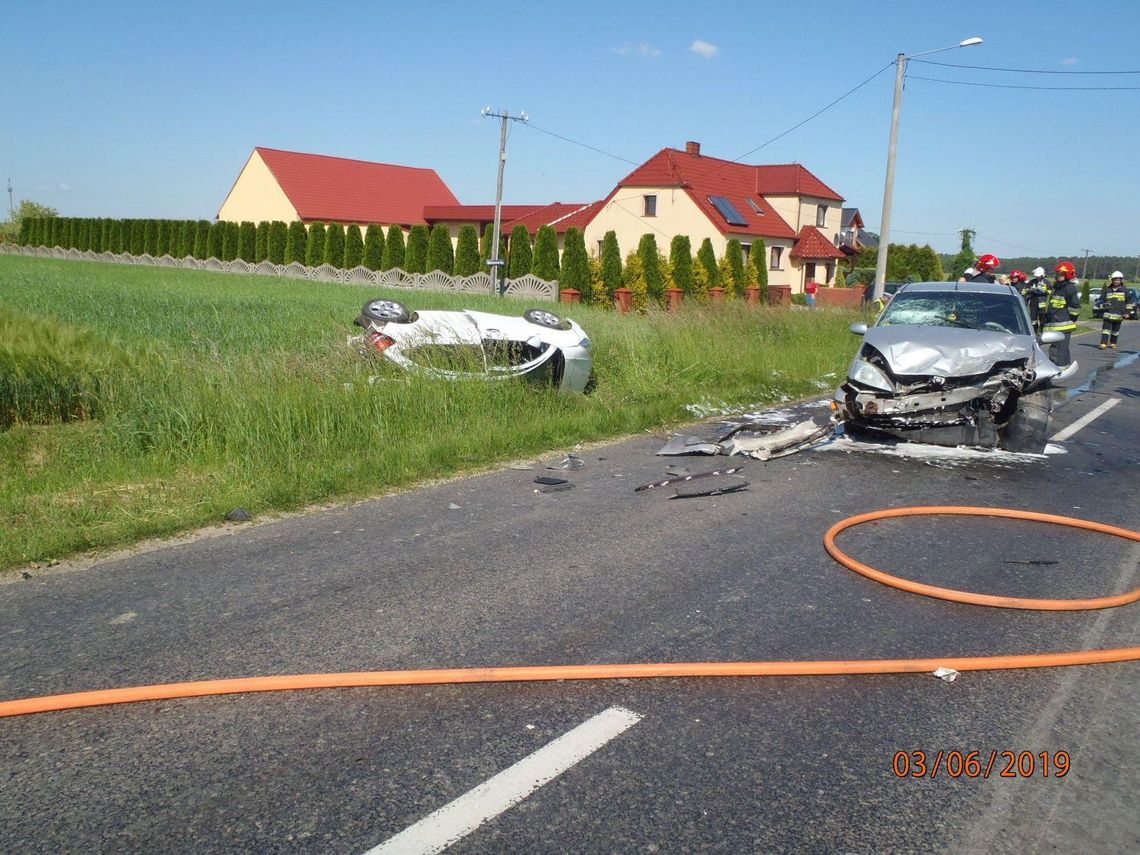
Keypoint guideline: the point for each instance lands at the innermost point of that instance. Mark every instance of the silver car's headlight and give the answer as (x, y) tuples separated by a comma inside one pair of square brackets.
[(864, 372)]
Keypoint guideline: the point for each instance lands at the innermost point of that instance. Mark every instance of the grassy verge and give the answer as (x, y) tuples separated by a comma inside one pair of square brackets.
[(172, 396)]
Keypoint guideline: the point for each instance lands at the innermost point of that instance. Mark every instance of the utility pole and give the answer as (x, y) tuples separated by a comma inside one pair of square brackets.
[(1085, 266), (494, 262), (11, 209)]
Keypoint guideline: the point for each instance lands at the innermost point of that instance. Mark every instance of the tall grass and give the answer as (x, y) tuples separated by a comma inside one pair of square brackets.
[(199, 392)]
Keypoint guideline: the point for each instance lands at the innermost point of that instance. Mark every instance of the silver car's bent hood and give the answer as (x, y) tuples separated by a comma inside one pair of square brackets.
[(946, 351)]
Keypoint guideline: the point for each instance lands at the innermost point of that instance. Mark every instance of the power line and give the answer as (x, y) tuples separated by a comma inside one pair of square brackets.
[(582, 144), (1017, 70), (1013, 86)]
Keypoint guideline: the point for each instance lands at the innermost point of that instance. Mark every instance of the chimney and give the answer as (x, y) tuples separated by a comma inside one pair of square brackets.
[(693, 148)]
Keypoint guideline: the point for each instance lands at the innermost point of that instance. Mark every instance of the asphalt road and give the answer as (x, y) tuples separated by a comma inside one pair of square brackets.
[(600, 573)]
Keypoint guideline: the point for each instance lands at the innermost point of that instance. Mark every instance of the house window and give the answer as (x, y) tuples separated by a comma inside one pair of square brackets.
[(777, 252), (821, 215), (746, 248), (809, 272), (651, 206), (755, 207), (600, 248)]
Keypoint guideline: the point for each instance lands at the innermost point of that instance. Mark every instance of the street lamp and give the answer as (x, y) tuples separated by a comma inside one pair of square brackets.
[(889, 185)]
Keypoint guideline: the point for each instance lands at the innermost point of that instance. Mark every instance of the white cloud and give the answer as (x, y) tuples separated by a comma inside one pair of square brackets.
[(1072, 60), (643, 49), (702, 48), (64, 186)]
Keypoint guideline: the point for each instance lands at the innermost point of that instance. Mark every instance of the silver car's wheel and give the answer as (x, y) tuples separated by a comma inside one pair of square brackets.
[(387, 311), (543, 318)]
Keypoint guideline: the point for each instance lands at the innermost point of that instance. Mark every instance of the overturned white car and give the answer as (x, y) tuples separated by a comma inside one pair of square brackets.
[(952, 364), (540, 345)]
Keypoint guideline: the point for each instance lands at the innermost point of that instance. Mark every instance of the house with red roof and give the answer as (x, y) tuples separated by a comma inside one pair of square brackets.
[(291, 185), (559, 215), (686, 193)]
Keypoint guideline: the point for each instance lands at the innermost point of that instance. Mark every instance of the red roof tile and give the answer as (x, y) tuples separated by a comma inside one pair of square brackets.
[(702, 177), (337, 189), (791, 179), (810, 243), (561, 215)]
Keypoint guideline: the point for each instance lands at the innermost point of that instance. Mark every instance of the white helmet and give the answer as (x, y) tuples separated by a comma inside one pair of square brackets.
[(970, 271), (1116, 274), (1038, 271)]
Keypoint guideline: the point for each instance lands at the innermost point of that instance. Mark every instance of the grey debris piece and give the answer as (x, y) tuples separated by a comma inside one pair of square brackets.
[(681, 443), (711, 487), (239, 515), (779, 443), (571, 461)]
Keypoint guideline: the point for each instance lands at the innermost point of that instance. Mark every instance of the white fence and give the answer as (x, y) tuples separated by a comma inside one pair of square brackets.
[(529, 287)]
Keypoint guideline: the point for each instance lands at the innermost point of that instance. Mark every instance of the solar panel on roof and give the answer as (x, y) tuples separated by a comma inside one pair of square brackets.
[(728, 210)]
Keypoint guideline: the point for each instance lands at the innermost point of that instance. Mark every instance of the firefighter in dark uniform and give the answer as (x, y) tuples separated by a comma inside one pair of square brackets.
[(983, 267), (1064, 309), (1115, 301), (1020, 282), (1037, 296)]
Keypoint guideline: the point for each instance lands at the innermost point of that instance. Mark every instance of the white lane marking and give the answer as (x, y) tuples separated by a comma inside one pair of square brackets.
[(1084, 420), (455, 820)]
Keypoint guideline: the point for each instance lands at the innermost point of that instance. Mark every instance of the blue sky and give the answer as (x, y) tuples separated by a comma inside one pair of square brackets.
[(150, 109)]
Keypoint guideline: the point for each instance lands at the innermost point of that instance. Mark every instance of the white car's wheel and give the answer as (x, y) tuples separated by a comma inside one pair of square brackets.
[(544, 318), (386, 312)]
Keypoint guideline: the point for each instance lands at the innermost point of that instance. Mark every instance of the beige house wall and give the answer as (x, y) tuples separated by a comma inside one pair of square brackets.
[(677, 214), (257, 196)]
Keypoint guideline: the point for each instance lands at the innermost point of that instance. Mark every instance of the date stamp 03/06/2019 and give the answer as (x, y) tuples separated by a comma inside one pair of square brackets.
[(980, 764)]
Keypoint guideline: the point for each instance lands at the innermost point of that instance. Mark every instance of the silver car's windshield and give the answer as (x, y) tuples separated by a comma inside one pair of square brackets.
[(1001, 313)]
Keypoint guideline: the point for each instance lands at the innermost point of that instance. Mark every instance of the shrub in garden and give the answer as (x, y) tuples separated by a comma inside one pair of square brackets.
[(575, 271), (734, 257), (353, 247), (467, 251), (150, 236), (373, 246), (315, 245), (275, 245), (186, 231), (57, 232), (247, 241), (295, 243), (611, 267), (681, 258), (261, 241), (83, 235), (216, 240), (651, 268), (439, 254), (521, 254), (202, 239), (334, 245), (544, 265), (758, 261), (393, 249), (706, 258), (230, 234), (415, 258), (72, 232), (633, 278), (487, 245)]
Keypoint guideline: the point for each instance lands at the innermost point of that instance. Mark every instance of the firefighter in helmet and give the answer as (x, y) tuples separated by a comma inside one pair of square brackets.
[(1064, 309), (1115, 300), (1037, 296), (983, 268)]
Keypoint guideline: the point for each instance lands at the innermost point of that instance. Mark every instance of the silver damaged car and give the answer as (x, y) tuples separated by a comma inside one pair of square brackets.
[(952, 364)]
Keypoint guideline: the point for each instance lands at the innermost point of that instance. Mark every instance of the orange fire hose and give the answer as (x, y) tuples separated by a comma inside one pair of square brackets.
[(203, 688)]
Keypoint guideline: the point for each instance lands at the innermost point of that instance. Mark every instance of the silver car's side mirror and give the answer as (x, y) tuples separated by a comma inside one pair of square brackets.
[(859, 329), (1052, 337)]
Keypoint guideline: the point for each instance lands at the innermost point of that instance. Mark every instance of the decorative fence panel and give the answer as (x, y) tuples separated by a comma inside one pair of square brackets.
[(528, 287)]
